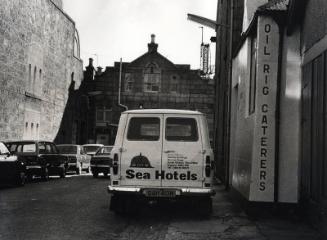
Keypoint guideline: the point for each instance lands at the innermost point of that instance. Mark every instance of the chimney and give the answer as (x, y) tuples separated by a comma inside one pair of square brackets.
[(89, 72), (99, 70), (153, 47)]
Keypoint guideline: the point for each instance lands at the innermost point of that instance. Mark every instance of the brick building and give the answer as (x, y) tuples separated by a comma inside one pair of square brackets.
[(150, 81), (39, 63)]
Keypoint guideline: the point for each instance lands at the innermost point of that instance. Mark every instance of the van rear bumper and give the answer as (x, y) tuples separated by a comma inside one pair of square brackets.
[(183, 191)]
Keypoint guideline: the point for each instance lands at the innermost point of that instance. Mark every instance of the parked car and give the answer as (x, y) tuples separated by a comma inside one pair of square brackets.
[(42, 158), (12, 168), (90, 149), (78, 160), (101, 162)]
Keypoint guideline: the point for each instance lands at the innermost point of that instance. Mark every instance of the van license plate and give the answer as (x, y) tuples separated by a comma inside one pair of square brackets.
[(159, 193)]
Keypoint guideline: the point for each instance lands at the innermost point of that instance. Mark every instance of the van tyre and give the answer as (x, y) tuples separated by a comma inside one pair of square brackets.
[(205, 206), (95, 174), (118, 204)]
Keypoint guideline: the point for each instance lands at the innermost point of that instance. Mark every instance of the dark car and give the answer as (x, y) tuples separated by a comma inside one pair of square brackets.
[(101, 162), (42, 158), (12, 168)]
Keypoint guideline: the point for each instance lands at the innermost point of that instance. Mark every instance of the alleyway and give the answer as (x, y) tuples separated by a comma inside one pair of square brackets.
[(77, 208)]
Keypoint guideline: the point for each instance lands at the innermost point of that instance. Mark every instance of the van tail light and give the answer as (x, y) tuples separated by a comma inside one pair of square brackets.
[(115, 164), (208, 166)]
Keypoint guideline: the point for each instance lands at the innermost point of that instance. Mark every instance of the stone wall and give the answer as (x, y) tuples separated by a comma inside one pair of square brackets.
[(37, 66)]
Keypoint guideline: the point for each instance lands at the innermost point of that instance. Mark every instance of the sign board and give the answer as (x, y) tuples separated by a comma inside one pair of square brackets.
[(205, 48), (263, 155)]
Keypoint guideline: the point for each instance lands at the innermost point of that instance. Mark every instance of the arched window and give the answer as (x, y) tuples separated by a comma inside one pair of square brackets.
[(34, 80), (152, 78)]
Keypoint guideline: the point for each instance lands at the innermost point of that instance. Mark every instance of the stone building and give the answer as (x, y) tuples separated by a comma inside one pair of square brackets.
[(39, 63), (150, 81), (277, 109)]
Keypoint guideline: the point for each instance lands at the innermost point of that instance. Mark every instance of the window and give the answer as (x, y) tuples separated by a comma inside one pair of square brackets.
[(181, 129), (103, 115), (144, 129), (152, 77), (129, 82), (253, 75), (29, 74), (174, 84)]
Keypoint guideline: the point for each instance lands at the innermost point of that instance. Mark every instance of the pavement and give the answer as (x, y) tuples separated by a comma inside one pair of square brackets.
[(229, 221)]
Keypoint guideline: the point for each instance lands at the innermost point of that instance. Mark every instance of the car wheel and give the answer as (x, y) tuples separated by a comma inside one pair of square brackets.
[(45, 174), (63, 173), (105, 174), (87, 170), (78, 170), (95, 174), (21, 179), (29, 177)]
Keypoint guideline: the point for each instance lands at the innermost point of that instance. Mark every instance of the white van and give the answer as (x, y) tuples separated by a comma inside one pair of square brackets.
[(161, 154)]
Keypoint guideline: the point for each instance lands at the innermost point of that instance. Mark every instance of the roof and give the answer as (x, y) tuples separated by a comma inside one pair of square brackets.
[(163, 111), (275, 5)]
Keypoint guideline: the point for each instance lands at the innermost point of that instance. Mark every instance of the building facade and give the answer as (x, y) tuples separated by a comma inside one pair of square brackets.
[(277, 108), (150, 81), (39, 63)]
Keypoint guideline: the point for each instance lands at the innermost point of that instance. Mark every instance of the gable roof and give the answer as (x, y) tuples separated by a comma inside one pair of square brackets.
[(149, 56)]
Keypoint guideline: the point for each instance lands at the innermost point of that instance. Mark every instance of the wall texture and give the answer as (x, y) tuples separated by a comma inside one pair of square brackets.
[(37, 67)]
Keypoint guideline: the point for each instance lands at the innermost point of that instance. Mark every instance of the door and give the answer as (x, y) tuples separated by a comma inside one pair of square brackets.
[(182, 157), (141, 150)]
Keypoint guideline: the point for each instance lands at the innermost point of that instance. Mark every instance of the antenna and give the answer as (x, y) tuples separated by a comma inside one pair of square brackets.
[(202, 34)]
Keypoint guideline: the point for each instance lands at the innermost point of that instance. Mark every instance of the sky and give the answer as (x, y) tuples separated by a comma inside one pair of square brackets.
[(114, 29)]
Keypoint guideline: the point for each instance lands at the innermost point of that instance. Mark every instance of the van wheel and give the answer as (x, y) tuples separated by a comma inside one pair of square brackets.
[(118, 204), (205, 206), (95, 174)]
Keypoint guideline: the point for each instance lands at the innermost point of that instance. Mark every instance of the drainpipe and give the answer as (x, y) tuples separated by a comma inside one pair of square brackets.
[(230, 69), (119, 89)]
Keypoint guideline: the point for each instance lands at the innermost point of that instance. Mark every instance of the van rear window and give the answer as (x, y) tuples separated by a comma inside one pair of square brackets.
[(144, 129), (181, 129)]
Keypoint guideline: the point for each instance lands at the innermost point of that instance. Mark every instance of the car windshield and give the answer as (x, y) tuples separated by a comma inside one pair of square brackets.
[(3, 149), (22, 147), (104, 151), (67, 149), (89, 149)]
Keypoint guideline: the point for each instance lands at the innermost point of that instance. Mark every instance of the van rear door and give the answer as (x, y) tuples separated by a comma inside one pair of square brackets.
[(182, 158), (141, 150)]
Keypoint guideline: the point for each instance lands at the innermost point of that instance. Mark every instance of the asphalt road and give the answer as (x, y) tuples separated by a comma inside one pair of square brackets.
[(77, 207)]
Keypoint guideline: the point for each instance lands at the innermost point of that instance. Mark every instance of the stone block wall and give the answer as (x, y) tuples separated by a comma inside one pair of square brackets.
[(37, 66)]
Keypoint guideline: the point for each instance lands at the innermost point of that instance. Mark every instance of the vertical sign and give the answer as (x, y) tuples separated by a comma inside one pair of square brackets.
[(263, 155), (205, 58)]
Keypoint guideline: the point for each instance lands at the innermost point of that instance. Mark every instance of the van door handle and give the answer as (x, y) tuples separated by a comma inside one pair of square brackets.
[(122, 149), (169, 151)]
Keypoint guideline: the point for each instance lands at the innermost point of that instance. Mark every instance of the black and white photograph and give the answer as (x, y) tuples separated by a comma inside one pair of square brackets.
[(163, 120)]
